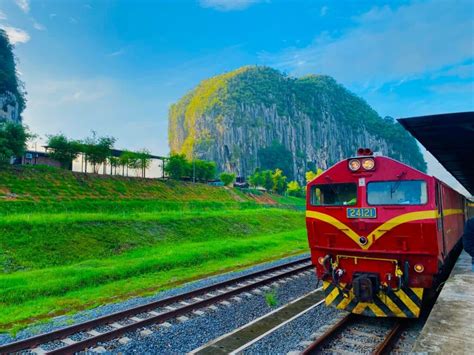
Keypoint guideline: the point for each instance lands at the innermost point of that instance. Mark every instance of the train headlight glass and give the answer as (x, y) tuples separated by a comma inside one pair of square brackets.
[(368, 163), (419, 268), (321, 260), (354, 164)]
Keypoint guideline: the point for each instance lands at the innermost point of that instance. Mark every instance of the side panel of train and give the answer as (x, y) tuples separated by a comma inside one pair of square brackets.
[(380, 238)]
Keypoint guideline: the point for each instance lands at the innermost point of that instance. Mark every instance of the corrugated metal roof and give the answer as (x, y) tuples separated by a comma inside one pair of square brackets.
[(450, 138)]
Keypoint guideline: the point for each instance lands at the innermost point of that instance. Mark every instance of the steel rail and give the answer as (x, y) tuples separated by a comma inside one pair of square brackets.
[(313, 347), (382, 348), (32, 342), (385, 345)]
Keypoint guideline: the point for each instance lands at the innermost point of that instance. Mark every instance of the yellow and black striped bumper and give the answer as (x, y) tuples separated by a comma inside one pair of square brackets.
[(404, 303)]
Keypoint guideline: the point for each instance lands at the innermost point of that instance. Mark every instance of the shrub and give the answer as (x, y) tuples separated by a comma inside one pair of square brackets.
[(227, 178)]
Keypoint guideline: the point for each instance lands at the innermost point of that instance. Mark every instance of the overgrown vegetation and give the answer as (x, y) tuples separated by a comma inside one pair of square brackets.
[(70, 241), (9, 81), (13, 139), (224, 97), (178, 167)]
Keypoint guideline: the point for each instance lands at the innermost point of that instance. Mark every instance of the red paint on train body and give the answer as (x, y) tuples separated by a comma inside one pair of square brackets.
[(392, 222)]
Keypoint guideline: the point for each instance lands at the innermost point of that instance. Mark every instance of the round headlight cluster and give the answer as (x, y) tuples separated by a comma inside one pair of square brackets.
[(366, 163), (354, 164)]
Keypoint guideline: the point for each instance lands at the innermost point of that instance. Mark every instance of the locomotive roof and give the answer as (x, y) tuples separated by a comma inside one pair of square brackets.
[(450, 138)]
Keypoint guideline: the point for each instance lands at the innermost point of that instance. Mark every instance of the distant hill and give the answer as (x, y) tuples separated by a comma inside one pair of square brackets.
[(12, 98), (258, 117)]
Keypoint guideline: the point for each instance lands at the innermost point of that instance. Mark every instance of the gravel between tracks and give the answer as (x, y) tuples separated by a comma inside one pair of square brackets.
[(82, 316), (288, 337), (182, 337)]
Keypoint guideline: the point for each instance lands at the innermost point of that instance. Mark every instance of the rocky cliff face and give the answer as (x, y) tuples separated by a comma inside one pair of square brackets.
[(9, 108), (257, 117), (12, 96)]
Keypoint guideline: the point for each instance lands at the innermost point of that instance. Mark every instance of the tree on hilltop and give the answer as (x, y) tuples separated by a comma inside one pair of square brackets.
[(63, 149)]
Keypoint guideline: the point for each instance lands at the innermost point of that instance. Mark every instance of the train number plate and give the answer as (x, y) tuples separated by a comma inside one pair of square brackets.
[(361, 213)]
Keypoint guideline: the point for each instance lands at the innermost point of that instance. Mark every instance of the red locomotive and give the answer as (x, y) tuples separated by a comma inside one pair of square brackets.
[(381, 234)]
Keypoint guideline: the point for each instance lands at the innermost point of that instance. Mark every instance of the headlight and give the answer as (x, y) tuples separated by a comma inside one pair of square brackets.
[(368, 163), (419, 268), (354, 164)]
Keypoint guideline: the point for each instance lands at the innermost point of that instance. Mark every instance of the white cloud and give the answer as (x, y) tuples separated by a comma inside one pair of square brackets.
[(24, 5), (16, 35), (117, 53), (2, 15), (388, 45), (227, 5), (38, 26)]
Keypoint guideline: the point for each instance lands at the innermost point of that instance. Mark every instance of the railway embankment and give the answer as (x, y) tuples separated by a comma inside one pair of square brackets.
[(71, 242)]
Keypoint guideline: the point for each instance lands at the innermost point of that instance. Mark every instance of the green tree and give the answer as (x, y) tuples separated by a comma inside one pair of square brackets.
[(255, 179), (13, 139), (63, 149), (227, 178), (177, 166), (276, 156), (310, 175), (114, 163), (204, 170), (144, 160), (279, 181), (294, 189), (267, 180), (98, 149), (124, 160), (8, 75)]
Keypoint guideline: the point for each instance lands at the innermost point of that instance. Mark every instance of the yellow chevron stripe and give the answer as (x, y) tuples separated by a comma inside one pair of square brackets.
[(408, 302), (379, 231), (332, 296), (334, 222), (396, 221), (345, 301), (360, 307), (393, 307), (377, 311), (418, 291)]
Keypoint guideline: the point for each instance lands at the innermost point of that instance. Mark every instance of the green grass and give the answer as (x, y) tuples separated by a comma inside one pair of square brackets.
[(62, 253)]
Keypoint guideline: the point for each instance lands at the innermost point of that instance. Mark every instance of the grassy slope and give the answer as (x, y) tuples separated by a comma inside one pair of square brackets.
[(65, 251)]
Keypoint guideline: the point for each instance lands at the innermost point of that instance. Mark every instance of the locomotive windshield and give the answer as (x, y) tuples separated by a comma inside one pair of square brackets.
[(398, 192), (334, 195)]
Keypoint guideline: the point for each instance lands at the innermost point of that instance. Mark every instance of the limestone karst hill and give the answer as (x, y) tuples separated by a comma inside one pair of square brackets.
[(258, 117)]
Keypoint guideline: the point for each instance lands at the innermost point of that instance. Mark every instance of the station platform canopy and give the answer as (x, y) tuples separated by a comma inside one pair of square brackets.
[(450, 138)]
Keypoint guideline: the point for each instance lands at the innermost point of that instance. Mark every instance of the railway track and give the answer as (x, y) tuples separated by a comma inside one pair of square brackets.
[(358, 334), (114, 325)]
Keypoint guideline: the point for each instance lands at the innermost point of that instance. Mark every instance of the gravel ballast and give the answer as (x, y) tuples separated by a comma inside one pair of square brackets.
[(63, 321), (182, 337)]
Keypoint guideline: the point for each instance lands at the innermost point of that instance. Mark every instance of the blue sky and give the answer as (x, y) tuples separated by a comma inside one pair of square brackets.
[(116, 66)]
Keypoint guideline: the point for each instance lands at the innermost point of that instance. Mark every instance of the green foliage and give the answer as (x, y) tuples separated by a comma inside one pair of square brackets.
[(13, 139), (271, 180), (279, 181), (177, 166), (63, 150), (294, 189), (97, 149), (311, 175), (271, 298), (227, 178), (203, 170), (72, 241), (276, 156), (224, 96), (8, 75)]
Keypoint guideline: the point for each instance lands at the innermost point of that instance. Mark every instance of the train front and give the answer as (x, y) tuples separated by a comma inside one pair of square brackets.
[(371, 224)]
